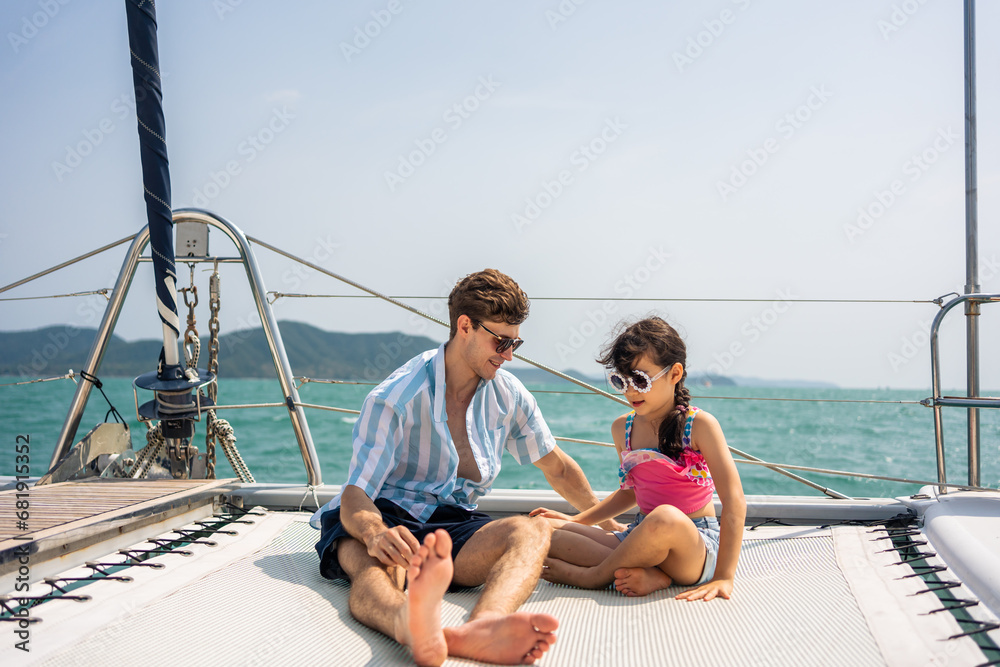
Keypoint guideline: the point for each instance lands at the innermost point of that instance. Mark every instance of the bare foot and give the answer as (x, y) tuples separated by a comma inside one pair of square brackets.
[(519, 638), (561, 572), (419, 625), (635, 581)]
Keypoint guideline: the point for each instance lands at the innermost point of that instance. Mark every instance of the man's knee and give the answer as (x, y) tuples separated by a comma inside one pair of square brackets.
[(352, 555), (525, 530), (357, 563)]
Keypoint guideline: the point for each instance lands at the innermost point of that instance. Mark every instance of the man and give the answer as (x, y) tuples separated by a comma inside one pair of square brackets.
[(427, 445)]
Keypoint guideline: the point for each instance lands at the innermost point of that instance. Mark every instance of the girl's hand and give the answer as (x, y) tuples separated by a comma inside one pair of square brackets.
[(546, 513), (716, 588)]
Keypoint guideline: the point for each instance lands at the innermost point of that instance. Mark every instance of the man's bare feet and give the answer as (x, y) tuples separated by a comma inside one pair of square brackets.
[(419, 625), (519, 638), (636, 581)]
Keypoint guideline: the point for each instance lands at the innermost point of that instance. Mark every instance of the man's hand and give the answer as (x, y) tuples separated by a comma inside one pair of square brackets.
[(393, 546)]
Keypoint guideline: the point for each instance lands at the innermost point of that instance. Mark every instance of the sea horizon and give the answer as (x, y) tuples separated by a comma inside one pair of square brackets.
[(872, 431)]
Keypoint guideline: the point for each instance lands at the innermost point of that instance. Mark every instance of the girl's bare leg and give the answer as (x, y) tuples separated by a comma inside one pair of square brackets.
[(666, 539), (582, 545)]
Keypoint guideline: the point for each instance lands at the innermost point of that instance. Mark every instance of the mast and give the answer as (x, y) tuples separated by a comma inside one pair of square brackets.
[(971, 239), (174, 404)]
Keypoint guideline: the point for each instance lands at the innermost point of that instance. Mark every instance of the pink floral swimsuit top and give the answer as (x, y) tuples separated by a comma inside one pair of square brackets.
[(685, 482)]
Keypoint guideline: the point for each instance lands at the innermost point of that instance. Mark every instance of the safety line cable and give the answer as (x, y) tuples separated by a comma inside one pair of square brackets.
[(69, 376), (67, 263), (300, 295), (104, 291)]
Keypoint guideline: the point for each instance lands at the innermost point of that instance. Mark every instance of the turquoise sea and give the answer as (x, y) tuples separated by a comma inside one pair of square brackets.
[(893, 439)]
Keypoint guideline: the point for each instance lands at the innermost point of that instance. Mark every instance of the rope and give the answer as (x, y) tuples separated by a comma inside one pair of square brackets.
[(306, 380), (585, 442), (144, 459), (310, 490), (863, 475), (192, 350), (808, 400), (103, 292), (227, 438), (65, 264), (69, 376), (303, 380), (294, 295), (93, 379)]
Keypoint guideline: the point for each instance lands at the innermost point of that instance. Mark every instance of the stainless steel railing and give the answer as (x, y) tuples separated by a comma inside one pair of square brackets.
[(972, 402), (273, 335)]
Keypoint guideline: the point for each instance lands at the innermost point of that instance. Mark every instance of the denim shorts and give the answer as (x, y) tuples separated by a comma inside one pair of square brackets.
[(460, 523), (708, 527)]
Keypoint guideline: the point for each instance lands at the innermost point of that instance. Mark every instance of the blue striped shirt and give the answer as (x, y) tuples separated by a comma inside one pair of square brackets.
[(403, 450)]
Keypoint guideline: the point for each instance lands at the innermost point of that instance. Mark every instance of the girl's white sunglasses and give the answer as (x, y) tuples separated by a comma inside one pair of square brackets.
[(639, 380)]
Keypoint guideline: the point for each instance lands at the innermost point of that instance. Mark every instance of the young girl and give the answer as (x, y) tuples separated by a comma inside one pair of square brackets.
[(673, 456)]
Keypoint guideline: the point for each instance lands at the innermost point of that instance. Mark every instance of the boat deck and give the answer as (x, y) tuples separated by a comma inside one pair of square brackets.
[(63, 524), (819, 595)]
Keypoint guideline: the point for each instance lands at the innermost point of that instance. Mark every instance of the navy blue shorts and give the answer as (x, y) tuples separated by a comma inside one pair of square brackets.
[(460, 523)]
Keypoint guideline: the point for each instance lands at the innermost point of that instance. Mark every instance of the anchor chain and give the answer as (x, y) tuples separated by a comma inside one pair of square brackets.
[(214, 303), (192, 344)]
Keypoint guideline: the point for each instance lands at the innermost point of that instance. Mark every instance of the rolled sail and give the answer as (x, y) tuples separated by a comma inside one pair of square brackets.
[(155, 173)]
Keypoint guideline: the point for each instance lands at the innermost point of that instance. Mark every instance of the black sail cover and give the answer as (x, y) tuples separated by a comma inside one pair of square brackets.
[(155, 174)]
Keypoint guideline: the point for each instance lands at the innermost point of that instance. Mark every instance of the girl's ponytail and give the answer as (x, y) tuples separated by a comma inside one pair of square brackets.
[(671, 432)]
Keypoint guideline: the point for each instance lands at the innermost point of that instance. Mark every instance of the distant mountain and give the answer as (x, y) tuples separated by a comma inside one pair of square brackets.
[(311, 352)]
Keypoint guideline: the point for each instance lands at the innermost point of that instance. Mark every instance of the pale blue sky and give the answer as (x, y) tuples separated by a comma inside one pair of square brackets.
[(310, 118)]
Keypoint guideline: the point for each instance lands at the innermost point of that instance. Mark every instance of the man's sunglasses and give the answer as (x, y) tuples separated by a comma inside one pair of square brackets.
[(639, 380), (503, 342)]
